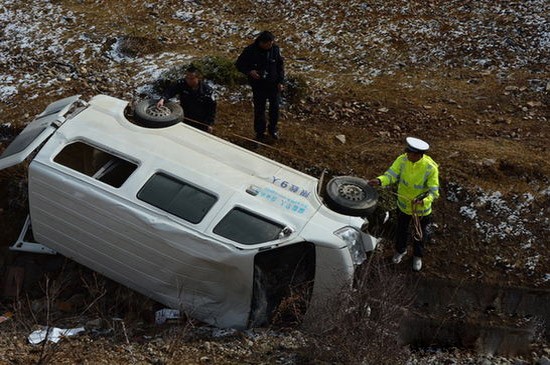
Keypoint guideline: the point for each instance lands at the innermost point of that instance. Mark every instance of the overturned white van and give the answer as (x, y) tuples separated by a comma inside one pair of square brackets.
[(186, 218)]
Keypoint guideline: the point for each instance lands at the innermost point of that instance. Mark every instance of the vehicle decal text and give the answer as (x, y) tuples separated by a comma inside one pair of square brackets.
[(290, 186), (284, 202)]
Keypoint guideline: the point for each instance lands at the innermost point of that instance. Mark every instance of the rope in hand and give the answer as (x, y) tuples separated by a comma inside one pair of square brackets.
[(418, 235)]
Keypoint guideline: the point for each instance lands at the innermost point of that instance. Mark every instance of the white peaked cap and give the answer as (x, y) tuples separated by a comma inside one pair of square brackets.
[(417, 145)]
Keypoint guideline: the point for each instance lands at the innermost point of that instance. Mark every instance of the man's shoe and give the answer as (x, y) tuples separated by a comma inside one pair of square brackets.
[(417, 263), (398, 257), (275, 135)]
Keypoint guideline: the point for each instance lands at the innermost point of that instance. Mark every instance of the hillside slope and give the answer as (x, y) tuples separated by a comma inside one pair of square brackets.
[(471, 78)]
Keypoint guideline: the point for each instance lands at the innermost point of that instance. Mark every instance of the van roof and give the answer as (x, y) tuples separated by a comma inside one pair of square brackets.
[(213, 163)]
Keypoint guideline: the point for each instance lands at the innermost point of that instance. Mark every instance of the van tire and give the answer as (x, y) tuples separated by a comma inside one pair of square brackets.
[(148, 115), (351, 195)]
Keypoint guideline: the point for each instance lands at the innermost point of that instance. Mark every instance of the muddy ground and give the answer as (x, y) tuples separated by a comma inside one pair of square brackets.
[(470, 78)]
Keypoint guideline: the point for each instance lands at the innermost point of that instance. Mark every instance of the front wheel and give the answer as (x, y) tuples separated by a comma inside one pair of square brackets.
[(351, 195)]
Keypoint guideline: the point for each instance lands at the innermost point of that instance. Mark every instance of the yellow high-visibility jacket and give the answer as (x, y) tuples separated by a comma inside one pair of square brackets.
[(413, 179)]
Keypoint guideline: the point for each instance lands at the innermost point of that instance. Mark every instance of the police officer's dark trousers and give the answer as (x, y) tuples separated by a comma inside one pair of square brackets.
[(402, 234)]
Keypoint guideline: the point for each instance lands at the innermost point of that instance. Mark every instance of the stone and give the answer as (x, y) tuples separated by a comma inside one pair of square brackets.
[(534, 104), (488, 162), (341, 138)]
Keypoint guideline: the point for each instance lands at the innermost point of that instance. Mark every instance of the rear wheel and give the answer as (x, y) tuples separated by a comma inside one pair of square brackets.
[(148, 115), (351, 196)]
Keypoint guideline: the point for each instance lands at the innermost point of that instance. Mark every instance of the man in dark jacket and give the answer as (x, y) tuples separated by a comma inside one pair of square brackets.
[(196, 99), (262, 63)]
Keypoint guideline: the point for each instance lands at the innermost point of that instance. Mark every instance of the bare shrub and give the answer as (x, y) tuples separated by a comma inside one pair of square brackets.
[(133, 45), (292, 309), (30, 315), (297, 88), (362, 325)]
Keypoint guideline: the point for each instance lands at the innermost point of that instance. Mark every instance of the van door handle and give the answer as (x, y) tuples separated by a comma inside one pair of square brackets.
[(285, 232)]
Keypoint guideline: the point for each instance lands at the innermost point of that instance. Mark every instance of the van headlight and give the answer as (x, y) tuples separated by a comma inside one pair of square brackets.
[(353, 239)]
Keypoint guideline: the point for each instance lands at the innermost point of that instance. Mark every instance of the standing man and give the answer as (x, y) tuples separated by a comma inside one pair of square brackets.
[(417, 179), (196, 99), (262, 63)]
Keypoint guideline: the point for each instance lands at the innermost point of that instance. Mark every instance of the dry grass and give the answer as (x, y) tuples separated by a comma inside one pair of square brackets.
[(361, 326)]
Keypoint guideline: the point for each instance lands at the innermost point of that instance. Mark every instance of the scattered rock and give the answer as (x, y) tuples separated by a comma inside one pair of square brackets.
[(534, 104), (383, 110), (341, 138)]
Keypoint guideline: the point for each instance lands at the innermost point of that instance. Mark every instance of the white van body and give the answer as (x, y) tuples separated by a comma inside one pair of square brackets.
[(132, 230)]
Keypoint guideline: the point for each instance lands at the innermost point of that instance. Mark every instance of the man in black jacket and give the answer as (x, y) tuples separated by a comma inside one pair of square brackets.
[(262, 63), (196, 99)]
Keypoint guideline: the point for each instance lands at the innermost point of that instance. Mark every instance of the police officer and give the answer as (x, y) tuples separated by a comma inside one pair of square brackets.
[(417, 179), (262, 63), (196, 99)]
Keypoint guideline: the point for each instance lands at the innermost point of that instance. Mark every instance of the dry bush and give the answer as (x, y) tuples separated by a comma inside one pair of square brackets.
[(362, 325), (134, 45), (292, 309), (297, 88)]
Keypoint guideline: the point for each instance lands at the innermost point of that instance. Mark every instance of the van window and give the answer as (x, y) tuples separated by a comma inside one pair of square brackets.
[(247, 228), (177, 197), (96, 163)]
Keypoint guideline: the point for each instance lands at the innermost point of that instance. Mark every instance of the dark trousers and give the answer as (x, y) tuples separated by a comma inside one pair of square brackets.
[(402, 234), (261, 95)]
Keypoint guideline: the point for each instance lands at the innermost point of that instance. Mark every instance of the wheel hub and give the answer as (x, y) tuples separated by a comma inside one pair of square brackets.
[(351, 192), (156, 111)]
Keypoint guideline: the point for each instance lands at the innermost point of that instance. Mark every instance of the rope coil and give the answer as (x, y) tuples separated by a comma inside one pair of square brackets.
[(418, 235)]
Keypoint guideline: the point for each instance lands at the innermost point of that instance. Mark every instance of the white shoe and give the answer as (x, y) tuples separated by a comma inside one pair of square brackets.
[(398, 257), (417, 263)]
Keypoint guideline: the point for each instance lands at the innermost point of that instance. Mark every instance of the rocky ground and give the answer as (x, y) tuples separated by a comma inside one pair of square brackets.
[(472, 78)]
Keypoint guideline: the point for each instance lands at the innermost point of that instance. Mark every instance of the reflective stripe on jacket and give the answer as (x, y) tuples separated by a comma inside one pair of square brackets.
[(413, 179)]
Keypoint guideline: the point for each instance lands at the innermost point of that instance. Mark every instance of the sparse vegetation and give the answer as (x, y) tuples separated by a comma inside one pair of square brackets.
[(296, 88), (362, 325), (135, 46), (221, 70)]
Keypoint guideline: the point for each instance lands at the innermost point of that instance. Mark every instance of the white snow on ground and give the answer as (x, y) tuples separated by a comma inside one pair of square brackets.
[(8, 88), (482, 34), (497, 218)]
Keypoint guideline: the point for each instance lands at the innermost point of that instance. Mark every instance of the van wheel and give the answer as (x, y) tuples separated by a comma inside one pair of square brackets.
[(351, 195), (149, 115)]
